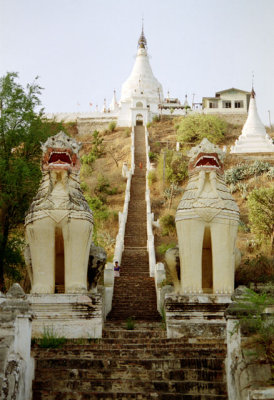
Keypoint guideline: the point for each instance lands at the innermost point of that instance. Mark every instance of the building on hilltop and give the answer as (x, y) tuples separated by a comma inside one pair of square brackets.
[(229, 101), (254, 138), (141, 92)]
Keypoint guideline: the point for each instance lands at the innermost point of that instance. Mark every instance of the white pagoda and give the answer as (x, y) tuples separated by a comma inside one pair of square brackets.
[(254, 138), (141, 92)]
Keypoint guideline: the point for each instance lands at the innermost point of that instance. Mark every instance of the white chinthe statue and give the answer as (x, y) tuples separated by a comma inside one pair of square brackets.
[(207, 223), (59, 222)]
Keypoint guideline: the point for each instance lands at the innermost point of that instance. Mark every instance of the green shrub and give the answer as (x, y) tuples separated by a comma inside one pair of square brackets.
[(175, 167), (152, 156), (152, 178), (84, 186), (50, 339), (103, 189), (245, 171), (162, 248), (249, 310), (156, 118), (112, 126), (127, 132), (130, 324), (261, 213), (167, 223), (149, 124), (259, 269), (193, 128)]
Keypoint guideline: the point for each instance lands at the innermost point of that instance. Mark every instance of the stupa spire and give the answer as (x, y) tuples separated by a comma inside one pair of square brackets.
[(254, 138), (142, 42)]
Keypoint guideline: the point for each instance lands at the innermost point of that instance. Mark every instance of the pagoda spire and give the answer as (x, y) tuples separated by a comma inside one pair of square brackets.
[(254, 138), (142, 42)]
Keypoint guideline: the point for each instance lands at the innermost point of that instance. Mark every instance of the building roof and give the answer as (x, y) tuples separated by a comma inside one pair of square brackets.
[(232, 89)]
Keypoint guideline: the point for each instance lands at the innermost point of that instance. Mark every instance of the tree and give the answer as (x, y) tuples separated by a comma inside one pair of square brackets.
[(21, 131), (261, 213), (193, 128)]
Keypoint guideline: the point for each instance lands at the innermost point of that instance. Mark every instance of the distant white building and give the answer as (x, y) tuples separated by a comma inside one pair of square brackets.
[(254, 138), (229, 101), (141, 92)]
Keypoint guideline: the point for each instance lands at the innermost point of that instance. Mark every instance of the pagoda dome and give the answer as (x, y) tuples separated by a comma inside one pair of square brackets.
[(141, 81)]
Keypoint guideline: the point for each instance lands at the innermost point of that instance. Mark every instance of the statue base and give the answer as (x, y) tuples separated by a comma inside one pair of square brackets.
[(196, 317), (67, 315)]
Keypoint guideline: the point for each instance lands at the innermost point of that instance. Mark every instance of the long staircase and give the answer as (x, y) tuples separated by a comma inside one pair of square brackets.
[(134, 291), (140, 363)]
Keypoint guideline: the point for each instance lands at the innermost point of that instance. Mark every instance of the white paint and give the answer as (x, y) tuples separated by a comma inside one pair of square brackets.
[(67, 315), (254, 138)]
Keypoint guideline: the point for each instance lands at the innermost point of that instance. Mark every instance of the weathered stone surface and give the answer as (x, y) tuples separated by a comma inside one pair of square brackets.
[(137, 364), (68, 315), (196, 316), (16, 364)]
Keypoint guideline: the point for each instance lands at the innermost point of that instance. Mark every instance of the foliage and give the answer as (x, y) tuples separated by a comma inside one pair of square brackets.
[(193, 128), (259, 269), (156, 118), (244, 171), (152, 156), (97, 149), (167, 223), (130, 324), (112, 126), (164, 247), (21, 131), (250, 308), (173, 166), (261, 213), (102, 189), (149, 124), (152, 178), (101, 214), (50, 339)]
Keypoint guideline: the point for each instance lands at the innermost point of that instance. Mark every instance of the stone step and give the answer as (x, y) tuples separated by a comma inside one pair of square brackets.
[(55, 395), (157, 364), (45, 374), (145, 352), (129, 385)]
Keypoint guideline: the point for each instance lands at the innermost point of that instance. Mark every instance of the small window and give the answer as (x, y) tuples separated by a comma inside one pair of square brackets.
[(226, 104), (239, 104), (213, 104), (139, 104)]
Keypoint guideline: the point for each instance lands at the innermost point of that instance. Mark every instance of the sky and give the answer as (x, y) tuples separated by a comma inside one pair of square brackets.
[(84, 49)]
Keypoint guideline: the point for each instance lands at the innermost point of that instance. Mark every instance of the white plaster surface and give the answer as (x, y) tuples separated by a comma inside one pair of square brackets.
[(254, 138), (68, 315)]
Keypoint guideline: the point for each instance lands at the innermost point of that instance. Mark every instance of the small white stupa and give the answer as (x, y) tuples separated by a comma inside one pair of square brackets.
[(254, 138), (114, 106), (141, 93)]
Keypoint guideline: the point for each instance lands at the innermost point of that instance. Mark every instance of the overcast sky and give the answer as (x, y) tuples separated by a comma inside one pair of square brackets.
[(83, 49)]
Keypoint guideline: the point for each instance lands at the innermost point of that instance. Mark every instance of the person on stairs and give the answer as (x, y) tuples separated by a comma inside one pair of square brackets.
[(116, 269)]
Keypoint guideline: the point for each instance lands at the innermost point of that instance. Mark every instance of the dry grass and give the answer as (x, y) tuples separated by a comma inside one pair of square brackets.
[(117, 149)]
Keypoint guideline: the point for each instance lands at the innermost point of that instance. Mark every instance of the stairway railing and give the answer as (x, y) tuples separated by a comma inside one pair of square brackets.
[(156, 270), (119, 246)]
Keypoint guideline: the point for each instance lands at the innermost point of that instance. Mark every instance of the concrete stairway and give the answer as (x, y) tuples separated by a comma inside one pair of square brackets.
[(137, 364), (134, 291)]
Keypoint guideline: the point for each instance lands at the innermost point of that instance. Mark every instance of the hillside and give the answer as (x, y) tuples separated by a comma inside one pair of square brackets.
[(103, 185), (162, 138)]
